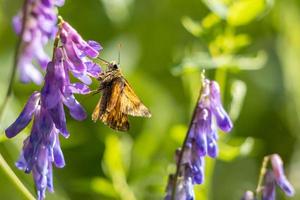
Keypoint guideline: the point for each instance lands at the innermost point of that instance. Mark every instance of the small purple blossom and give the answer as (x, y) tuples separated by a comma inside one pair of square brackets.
[(36, 24), (280, 178), (76, 53), (201, 139)]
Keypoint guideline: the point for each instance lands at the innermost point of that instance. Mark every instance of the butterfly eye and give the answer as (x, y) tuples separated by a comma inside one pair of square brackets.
[(115, 66)]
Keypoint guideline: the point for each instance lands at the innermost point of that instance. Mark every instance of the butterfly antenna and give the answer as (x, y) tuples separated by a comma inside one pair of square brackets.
[(92, 93), (119, 54)]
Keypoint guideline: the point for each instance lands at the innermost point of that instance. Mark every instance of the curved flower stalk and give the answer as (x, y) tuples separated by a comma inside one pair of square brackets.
[(42, 148), (269, 178), (200, 141), (36, 25)]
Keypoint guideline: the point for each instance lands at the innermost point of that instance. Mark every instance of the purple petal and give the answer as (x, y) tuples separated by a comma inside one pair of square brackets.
[(80, 43), (25, 117), (221, 115), (280, 177), (79, 88), (59, 3), (50, 92), (58, 116), (84, 78), (44, 123), (201, 142), (95, 45), (28, 72), (212, 147), (17, 24), (50, 179), (269, 190), (93, 69), (59, 160), (46, 2), (73, 57), (76, 110)]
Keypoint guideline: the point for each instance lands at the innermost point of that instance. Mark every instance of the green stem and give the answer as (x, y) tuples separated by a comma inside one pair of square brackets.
[(263, 171), (15, 62), (15, 180)]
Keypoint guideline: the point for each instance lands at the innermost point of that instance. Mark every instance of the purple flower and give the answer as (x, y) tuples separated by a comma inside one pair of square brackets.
[(36, 24), (42, 147), (76, 53), (279, 175), (201, 139), (209, 115)]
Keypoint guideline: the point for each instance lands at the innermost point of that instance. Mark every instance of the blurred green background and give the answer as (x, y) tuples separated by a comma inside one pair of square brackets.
[(252, 47)]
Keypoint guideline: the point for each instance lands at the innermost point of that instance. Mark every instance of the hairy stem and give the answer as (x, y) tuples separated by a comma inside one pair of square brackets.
[(263, 171), (15, 180)]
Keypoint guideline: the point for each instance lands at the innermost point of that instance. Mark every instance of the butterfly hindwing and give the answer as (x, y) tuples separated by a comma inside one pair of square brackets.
[(115, 119), (110, 113)]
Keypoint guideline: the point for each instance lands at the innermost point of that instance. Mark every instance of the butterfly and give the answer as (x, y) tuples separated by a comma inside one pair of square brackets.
[(118, 100)]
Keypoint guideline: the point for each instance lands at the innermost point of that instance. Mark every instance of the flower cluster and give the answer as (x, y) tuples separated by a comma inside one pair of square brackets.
[(269, 179), (201, 141), (42, 147), (36, 25), (275, 177)]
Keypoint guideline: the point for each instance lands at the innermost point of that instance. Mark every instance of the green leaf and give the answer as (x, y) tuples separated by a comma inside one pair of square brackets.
[(191, 26), (115, 167), (219, 7), (238, 93), (202, 60), (104, 187), (241, 147), (113, 160), (244, 11)]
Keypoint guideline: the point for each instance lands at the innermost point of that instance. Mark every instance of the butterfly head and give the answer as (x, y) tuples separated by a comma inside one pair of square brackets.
[(113, 66)]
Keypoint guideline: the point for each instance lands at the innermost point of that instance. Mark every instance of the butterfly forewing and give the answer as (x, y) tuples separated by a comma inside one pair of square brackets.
[(131, 104)]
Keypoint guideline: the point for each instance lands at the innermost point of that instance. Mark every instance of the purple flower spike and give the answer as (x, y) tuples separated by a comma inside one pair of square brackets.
[(41, 148), (38, 28), (201, 141), (209, 114), (280, 177)]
